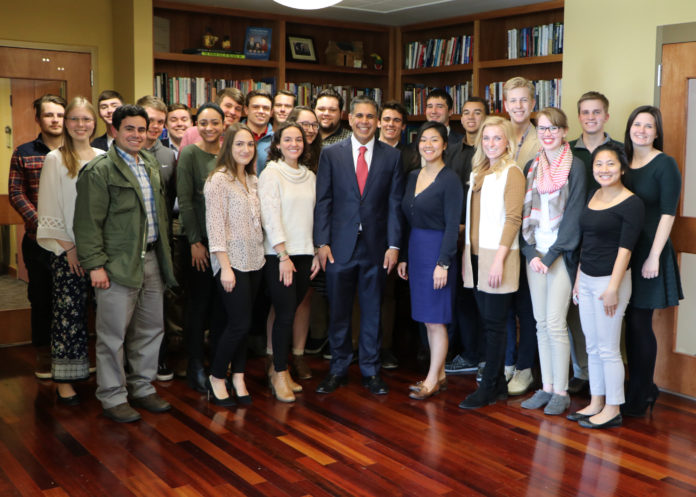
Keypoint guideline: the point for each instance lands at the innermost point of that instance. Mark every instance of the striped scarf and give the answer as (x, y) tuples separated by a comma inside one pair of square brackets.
[(550, 178)]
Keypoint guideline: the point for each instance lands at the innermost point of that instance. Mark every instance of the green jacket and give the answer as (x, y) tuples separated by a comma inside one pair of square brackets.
[(110, 222)]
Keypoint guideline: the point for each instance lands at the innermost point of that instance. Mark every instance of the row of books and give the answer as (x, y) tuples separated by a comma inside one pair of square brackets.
[(438, 52), (547, 94), (194, 92), (306, 92), (415, 95), (546, 39)]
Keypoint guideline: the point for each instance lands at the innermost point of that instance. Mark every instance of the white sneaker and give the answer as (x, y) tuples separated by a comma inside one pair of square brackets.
[(509, 372), (520, 382)]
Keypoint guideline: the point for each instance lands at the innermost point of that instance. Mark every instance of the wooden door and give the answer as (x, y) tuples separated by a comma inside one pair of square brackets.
[(676, 362)]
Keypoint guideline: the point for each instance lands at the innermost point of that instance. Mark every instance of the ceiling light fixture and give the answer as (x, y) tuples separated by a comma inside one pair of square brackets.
[(307, 4)]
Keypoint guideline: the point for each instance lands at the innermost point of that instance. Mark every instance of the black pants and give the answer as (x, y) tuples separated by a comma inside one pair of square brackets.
[(39, 290), (285, 300), (493, 309), (239, 304), (521, 310), (641, 354)]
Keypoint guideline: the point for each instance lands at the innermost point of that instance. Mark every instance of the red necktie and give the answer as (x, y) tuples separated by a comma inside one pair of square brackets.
[(361, 169)]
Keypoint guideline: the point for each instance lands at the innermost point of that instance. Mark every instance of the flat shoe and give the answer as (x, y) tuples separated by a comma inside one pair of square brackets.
[(424, 393), (68, 401), (576, 416), (612, 423)]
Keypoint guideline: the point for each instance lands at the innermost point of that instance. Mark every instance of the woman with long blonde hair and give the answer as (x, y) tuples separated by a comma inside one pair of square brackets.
[(57, 193), (491, 262)]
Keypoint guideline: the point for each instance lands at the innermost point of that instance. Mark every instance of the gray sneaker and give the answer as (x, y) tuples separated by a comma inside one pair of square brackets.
[(557, 405), (460, 365), (537, 401)]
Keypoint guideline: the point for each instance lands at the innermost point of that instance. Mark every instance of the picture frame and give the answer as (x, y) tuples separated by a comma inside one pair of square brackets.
[(301, 49), (257, 44)]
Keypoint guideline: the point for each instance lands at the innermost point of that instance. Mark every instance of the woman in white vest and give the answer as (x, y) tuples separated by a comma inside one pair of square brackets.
[(491, 262)]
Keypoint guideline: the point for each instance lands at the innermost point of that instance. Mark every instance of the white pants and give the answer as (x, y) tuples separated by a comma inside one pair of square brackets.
[(550, 299), (603, 336)]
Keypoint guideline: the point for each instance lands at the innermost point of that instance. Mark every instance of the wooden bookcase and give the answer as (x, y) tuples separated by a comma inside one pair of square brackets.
[(187, 24), (489, 37)]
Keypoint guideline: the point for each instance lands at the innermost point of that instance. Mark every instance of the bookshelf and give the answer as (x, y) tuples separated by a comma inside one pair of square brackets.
[(490, 63), (187, 24)]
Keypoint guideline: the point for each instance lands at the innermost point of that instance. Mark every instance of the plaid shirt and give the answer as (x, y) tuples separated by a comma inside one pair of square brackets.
[(23, 185), (138, 169), (339, 135)]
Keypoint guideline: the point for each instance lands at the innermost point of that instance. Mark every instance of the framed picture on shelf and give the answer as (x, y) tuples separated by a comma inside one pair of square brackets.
[(301, 49), (257, 44)]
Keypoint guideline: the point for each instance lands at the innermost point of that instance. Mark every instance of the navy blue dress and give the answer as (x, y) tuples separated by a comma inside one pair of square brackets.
[(433, 228)]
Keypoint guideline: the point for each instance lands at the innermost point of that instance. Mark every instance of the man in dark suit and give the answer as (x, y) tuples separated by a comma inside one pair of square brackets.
[(357, 227), (107, 102)]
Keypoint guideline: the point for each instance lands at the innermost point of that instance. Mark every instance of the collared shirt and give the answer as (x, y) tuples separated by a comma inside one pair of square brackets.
[(258, 136), (580, 144), (138, 168), (23, 184), (339, 135), (355, 147)]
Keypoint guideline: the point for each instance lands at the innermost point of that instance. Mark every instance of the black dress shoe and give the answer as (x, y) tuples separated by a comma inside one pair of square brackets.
[(612, 423), (226, 402), (242, 400), (388, 359), (375, 385), (331, 383), (68, 401)]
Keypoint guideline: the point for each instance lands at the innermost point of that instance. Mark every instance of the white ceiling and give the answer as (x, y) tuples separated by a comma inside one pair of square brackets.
[(384, 12)]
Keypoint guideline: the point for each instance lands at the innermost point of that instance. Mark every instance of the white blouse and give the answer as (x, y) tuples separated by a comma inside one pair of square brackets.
[(56, 209), (287, 199), (233, 221)]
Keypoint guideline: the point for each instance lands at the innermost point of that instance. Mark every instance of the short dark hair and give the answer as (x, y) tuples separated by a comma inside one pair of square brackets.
[(328, 92), (479, 100), (657, 115), (45, 99), (108, 95), (213, 106), (257, 93), (362, 99), (594, 95), (287, 93), (233, 93), (437, 126), (440, 93), (274, 152), (397, 106), (617, 150), (128, 110)]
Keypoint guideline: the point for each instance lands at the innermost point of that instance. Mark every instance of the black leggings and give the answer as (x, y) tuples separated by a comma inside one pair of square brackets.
[(285, 300), (239, 303), (641, 353)]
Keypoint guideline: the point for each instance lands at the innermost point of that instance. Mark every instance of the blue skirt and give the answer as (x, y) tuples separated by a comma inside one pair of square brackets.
[(428, 305)]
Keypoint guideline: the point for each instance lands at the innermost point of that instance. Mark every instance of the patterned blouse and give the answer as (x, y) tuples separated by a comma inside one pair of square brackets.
[(233, 221)]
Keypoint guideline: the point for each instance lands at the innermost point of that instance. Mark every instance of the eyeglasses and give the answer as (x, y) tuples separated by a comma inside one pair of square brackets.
[(78, 120), (308, 125), (543, 129)]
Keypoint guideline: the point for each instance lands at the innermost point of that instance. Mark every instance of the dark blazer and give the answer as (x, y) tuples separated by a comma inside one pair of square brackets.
[(340, 210), (101, 142)]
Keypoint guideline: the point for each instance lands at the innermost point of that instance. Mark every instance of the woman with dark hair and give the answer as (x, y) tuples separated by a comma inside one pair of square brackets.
[(655, 178), (432, 204), (56, 208), (610, 225), (491, 260), (235, 235), (305, 117), (287, 193), (553, 203), (202, 303)]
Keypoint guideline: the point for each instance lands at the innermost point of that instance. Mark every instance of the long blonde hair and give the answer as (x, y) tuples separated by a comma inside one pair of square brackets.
[(67, 149), (480, 161)]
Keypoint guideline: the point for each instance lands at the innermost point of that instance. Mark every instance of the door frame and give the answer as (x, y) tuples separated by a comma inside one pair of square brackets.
[(667, 34)]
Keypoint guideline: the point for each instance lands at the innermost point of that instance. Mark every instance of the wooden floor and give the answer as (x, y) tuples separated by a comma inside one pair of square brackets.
[(347, 443)]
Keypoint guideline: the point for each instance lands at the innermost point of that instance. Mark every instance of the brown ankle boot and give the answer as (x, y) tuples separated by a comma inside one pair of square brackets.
[(280, 387), (295, 387)]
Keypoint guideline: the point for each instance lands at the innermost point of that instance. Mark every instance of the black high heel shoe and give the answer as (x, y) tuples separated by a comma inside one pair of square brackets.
[(243, 400), (227, 402), (639, 409)]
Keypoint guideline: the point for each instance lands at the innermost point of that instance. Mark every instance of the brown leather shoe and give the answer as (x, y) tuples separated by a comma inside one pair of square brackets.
[(122, 413), (295, 387), (423, 392), (152, 403), (302, 370), (280, 387), (442, 384)]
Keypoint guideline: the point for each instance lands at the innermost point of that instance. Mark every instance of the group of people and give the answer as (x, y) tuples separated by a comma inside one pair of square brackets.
[(496, 232)]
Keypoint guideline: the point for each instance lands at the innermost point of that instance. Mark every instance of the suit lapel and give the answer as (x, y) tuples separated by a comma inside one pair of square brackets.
[(349, 168)]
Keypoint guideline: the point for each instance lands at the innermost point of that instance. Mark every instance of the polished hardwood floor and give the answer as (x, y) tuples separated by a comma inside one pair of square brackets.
[(346, 443)]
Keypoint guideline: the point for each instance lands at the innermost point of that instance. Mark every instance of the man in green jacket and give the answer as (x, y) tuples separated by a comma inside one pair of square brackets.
[(121, 236)]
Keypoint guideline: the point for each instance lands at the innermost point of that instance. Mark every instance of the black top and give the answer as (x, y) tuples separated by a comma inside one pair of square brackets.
[(605, 231), (438, 207)]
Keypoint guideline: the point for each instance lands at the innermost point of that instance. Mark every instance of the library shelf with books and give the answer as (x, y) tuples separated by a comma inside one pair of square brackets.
[(180, 27), (490, 62)]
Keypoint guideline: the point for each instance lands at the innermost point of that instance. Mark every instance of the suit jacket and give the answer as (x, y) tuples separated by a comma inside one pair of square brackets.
[(340, 210), (101, 142)]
